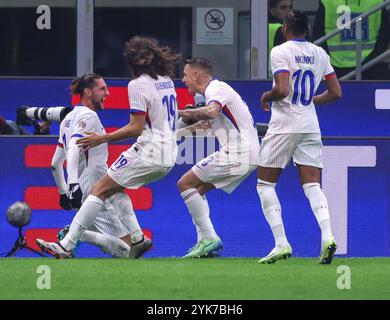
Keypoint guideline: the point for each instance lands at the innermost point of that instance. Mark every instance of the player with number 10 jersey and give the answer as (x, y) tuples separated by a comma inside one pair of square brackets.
[(307, 65), (298, 67)]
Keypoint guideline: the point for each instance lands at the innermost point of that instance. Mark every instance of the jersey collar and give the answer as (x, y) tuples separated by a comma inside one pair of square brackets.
[(214, 78), (299, 40)]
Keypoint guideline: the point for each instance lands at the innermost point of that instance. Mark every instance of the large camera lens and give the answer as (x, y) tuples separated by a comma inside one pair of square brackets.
[(56, 114)]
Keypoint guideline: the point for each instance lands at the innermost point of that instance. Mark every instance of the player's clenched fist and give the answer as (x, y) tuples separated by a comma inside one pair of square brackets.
[(265, 105), (65, 202), (75, 195)]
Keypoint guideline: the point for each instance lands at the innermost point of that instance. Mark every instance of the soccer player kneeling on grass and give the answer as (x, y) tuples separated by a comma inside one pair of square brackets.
[(115, 228), (298, 67), (153, 116), (230, 120)]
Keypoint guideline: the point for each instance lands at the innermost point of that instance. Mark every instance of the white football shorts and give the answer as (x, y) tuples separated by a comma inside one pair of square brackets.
[(131, 172), (222, 171), (277, 150)]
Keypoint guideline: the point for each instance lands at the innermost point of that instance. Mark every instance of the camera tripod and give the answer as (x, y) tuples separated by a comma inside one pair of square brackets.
[(20, 244)]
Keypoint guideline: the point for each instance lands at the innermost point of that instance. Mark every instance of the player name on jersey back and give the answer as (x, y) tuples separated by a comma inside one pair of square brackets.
[(304, 59), (307, 65), (156, 99)]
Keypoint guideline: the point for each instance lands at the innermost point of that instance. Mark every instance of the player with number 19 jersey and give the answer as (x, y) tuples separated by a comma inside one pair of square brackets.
[(307, 65), (155, 152)]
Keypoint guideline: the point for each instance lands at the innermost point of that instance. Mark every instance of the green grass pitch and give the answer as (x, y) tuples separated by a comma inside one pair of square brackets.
[(218, 278)]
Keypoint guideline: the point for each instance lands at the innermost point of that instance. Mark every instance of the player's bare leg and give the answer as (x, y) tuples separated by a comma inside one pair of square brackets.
[(266, 183), (193, 191), (310, 179)]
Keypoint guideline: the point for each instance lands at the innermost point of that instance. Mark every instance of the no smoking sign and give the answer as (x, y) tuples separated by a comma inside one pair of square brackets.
[(214, 26), (214, 19)]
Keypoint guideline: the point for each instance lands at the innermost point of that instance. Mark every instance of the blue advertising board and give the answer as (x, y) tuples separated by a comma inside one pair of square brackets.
[(356, 180), (359, 113)]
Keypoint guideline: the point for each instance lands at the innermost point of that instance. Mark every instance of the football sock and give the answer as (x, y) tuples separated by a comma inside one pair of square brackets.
[(319, 205), (82, 221), (200, 212), (123, 205), (272, 211), (199, 236), (108, 243), (198, 231)]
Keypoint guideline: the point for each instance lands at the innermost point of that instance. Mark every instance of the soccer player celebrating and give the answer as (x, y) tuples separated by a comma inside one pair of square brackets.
[(230, 120), (153, 116), (116, 226), (298, 67)]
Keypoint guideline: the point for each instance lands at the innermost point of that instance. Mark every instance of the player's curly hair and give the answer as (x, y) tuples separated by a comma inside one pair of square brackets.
[(144, 55), (297, 22), (85, 81)]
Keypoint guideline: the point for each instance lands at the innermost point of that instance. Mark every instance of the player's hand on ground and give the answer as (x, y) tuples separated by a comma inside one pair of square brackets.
[(92, 140), (265, 105), (75, 195), (65, 202)]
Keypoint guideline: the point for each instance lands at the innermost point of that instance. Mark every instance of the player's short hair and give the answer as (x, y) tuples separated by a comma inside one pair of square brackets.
[(273, 3), (297, 22), (144, 55), (201, 63), (85, 81)]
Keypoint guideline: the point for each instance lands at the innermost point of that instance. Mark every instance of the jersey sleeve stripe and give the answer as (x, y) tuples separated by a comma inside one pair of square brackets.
[(60, 145), (281, 71), (229, 115), (217, 102), (330, 75), (138, 111)]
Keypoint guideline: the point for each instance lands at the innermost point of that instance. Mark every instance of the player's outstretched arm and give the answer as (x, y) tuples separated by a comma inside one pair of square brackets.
[(332, 93), (208, 112), (132, 130), (193, 129)]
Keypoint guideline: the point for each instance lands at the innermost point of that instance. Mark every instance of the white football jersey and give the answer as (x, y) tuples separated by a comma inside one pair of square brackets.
[(307, 65), (234, 126), (93, 162), (156, 99)]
